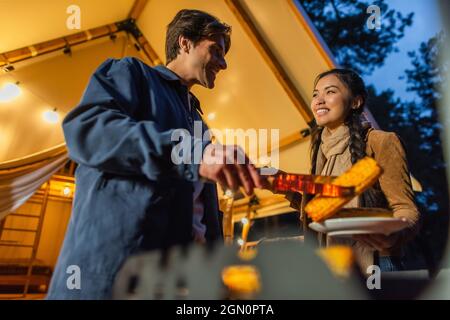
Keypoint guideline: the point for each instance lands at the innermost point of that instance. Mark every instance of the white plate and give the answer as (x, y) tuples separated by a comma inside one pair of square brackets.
[(363, 225)]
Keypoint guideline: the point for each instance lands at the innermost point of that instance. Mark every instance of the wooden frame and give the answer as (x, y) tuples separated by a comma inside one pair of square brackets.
[(137, 9), (129, 25)]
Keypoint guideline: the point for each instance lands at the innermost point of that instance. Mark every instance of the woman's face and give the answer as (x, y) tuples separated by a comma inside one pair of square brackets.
[(331, 102)]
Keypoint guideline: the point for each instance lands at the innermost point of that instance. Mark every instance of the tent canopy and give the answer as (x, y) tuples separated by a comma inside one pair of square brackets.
[(271, 67), (247, 95)]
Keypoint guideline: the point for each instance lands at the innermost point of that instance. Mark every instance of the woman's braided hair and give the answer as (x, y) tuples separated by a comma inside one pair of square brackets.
[(357, 142)]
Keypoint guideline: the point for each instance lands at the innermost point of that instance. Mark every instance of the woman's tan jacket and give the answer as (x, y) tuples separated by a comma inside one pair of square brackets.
[(393, 191)]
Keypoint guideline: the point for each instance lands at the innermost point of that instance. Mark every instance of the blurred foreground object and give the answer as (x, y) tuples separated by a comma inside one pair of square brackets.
[(242, 281), (440, 287), (339, 259), (280, 270)]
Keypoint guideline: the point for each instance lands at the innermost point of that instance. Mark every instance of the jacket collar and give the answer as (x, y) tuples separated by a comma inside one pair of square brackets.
[(169, 75), (196, 103), (166, 73)]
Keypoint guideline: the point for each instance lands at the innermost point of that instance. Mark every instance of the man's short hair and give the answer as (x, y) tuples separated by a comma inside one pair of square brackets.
[(195, 25)]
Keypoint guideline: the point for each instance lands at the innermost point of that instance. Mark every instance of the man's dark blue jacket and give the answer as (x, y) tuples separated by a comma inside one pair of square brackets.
[(129, 195)]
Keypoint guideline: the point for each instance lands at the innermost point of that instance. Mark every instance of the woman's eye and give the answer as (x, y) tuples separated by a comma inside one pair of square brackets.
[(314, 95), (330, 91)]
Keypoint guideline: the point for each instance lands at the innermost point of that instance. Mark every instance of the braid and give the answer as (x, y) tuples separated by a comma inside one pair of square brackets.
[(357, 144), (316, 140)]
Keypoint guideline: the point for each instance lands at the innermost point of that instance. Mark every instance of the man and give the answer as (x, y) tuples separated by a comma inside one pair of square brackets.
[(131, 196)]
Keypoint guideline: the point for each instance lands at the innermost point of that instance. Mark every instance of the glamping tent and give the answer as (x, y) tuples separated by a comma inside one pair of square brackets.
[(48, 50)]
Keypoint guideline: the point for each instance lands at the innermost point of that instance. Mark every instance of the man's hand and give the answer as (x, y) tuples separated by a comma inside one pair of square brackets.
[(231, 168), (379, 242)]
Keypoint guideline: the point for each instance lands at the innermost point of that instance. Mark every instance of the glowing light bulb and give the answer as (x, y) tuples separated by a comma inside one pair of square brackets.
[(66, 191), (244, 221), (9, 92), (229, 193), (51, 116), (240, 242), (211, 116)]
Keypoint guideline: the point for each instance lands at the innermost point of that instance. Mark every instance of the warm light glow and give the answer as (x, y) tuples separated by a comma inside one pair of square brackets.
[(244, 221), (264, 161), (241, 280), (229, 193), (9, 92), (211, 116), (66, 191), (240, 242), (224, 98), (51, 116)]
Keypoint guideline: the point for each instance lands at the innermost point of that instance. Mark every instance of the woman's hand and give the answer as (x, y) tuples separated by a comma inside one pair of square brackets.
[(379, 242)]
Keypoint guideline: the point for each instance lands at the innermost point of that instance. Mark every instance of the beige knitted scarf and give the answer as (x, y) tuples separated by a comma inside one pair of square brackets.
[(335, 156)]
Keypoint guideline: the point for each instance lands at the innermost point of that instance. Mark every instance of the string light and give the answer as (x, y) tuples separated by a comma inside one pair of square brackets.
[(51, 116), (9, 92), (66, 191), (244, 221)]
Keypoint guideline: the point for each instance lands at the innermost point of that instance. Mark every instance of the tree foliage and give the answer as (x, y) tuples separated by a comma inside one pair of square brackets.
[(342, 24)]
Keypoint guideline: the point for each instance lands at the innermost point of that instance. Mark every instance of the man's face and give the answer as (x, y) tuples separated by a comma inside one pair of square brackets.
[(206, 59)]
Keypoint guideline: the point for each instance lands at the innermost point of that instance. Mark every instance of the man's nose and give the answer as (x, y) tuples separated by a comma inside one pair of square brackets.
[(222, 64)]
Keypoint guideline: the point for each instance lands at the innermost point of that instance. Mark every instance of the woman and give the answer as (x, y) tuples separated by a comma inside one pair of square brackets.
[(339, 140)]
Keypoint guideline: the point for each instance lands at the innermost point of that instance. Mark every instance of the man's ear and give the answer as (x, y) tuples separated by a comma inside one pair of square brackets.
[(184, 44)]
